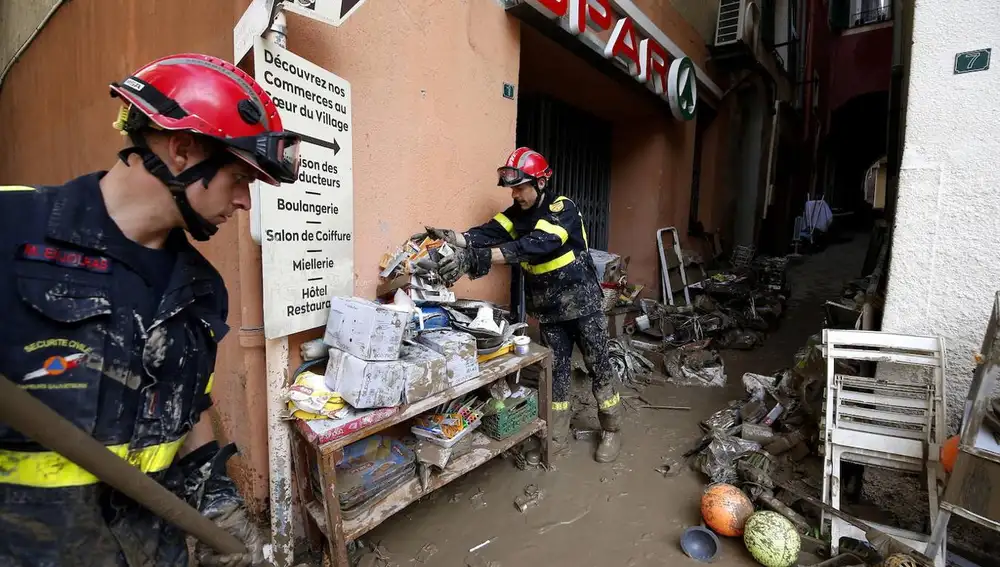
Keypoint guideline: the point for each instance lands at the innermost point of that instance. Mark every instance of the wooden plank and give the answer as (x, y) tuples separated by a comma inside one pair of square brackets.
[(545, 410), (331, 509), (985, 522), (974, 486), (489, 373), (412, 491), (300, 462)]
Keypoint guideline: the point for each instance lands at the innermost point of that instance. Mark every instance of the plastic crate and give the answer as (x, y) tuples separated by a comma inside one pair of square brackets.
[(513, 417)]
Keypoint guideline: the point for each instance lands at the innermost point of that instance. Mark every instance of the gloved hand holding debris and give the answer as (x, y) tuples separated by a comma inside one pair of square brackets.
[(454, 239), (472, 261)]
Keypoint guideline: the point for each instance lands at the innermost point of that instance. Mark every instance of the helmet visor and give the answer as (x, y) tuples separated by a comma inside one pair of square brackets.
[(511, 176), (276, 154)]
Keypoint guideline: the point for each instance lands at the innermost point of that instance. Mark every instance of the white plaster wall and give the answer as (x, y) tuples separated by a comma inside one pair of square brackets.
[(945, 266)]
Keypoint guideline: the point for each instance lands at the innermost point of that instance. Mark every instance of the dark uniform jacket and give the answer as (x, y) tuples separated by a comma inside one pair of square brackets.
[(550, 243), (128, 360)]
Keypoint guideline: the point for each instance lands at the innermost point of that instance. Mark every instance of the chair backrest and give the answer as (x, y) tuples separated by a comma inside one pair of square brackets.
[(893, 405)]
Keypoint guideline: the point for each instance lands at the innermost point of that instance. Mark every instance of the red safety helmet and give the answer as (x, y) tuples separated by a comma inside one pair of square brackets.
[(209, 96), (524, 165)]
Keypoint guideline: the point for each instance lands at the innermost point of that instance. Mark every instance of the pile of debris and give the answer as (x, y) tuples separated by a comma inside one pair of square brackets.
[(412, 267), (733, 309)]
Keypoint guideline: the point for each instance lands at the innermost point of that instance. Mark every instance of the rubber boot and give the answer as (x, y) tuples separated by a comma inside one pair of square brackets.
[(609, 413), (559, 428)]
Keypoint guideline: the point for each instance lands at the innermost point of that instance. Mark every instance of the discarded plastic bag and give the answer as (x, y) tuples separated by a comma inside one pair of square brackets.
[(309, 398), (724, 418), (743, 339), (718, 460), (695, 368), (758, 384)]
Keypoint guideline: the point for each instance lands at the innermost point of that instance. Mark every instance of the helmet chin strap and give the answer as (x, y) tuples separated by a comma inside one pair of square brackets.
[(197, 225)]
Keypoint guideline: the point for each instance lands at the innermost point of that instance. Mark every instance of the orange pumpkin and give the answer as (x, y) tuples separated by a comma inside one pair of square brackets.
[(725, 509)]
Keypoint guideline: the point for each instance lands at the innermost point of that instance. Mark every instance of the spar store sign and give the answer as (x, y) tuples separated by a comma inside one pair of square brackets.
[(642, 57)]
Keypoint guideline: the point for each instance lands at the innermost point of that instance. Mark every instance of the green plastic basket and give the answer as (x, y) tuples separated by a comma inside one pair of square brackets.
[(512, 418)]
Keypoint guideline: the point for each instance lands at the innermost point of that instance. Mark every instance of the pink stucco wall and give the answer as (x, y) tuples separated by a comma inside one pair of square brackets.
[(860, 63)]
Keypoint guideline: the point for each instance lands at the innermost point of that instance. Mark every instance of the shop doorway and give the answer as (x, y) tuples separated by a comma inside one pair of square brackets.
[(578, 147)]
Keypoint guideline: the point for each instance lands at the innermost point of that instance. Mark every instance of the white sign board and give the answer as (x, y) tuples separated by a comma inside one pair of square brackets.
[(333, 12), (307, 227)]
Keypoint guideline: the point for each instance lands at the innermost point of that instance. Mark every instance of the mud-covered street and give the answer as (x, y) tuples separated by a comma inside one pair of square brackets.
[(625, 513)]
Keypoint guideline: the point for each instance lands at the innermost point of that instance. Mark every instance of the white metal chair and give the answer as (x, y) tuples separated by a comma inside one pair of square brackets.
[(895, 422)]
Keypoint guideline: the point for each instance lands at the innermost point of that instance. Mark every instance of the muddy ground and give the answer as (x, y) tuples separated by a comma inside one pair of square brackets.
[(624, 513)]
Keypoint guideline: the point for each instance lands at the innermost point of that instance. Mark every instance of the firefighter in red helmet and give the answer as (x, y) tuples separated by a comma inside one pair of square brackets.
[(113, 319), (544, 233)]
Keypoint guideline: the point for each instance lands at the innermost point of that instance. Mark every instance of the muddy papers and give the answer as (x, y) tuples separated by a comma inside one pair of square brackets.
[(412, 268), (694, 367)]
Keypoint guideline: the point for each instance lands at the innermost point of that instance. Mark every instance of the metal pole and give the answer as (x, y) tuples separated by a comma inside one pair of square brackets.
[(279, 443)]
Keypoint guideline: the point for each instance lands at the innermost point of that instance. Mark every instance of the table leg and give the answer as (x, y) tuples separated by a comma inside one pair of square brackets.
[(545, 408), (328, 475), (300, 462)]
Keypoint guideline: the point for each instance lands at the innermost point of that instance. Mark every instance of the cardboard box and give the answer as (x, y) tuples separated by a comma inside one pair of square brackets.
[(459, 350), (368, 384), (432, 374), (608, 265), (365, 329)]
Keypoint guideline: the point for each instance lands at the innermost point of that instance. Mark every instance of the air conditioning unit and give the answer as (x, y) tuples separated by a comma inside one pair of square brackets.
[(738, 23)]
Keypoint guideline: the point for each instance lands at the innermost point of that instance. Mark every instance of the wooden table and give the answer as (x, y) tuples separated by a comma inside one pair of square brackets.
[(322, 511)]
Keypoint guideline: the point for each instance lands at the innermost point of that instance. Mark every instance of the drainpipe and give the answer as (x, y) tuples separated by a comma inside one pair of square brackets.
[(267, 361), (807, 103), (279, 441)]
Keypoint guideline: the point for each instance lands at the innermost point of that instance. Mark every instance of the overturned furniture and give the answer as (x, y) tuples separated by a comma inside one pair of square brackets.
[(893, 422), (973, 489)]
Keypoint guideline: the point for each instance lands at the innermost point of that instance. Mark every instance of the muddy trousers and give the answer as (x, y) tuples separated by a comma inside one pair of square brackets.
[(590, 333)]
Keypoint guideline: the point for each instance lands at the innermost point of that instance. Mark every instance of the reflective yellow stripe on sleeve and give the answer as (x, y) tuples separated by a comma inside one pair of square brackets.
[(506, 224), (211, 381), (12, 188), (545, 226), (583, 227), (551, 265), (560, 406), (51, 470)]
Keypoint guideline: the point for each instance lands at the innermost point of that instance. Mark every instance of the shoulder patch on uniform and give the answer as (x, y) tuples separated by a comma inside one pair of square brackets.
[(557, 207), (64, 258)]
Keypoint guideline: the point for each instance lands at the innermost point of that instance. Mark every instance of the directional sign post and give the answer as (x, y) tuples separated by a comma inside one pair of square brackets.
[(307, 227), (333, 12)]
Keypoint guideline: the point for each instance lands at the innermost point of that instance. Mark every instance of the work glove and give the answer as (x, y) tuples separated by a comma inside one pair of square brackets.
[(474, 262), (454, 239)]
